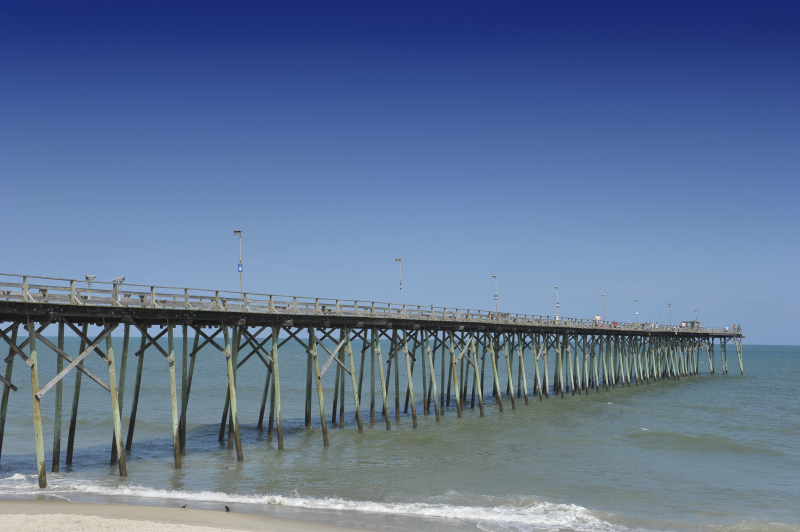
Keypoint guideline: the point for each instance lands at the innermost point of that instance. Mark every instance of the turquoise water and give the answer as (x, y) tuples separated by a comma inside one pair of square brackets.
[(708, 452)]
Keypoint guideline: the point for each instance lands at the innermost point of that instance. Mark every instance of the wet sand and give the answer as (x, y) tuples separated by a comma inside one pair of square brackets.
[(38, 515)]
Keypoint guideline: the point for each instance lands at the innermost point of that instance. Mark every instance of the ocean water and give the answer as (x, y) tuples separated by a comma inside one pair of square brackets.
[(715, 453)]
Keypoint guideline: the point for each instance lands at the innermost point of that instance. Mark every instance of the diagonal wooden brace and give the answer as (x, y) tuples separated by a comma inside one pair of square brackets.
[(333, 356), (210, 339), (8, 383), (205, 342), (68, 358), (18, 348), (77, 360), (153, 342), (85, 339)]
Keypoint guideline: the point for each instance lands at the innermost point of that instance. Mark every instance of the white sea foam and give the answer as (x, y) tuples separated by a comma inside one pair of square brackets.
[(522, 515)]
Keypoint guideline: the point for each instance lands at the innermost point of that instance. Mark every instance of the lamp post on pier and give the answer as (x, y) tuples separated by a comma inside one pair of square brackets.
[(604, 307), (637, 311), (400, 262), (670, 313), (558, 305), (239, 234), (495, 293), (695, 314)]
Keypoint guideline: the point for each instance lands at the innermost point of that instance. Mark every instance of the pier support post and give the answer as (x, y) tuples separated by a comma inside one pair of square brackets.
[(537, 342), (185, 391), (498, 399), (429, 354), (37, 406), (112, 384), (375, 346), (409, 369), (521, 355), (477, 375), (356, 398), (276, 388), (6, 387), (371, 377), (232, 352), (738, 344), (312, 344), (76, 395), (454, 373), (121, 388), (136, 388), (176, 439), (506, 349), (309, 381), (59, 396)]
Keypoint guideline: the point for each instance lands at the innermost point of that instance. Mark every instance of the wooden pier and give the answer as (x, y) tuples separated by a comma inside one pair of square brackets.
[(462, 346)]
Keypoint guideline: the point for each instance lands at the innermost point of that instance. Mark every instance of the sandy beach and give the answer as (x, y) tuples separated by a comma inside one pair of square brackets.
[(27, 515)]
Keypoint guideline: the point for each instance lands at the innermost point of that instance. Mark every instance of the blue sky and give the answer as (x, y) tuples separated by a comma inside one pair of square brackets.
[(644, 150)]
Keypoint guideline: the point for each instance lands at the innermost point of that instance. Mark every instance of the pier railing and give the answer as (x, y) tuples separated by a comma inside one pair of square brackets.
[(33, 289)]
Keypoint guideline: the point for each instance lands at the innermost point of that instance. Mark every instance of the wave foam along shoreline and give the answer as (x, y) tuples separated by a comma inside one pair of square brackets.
[(538, 515)]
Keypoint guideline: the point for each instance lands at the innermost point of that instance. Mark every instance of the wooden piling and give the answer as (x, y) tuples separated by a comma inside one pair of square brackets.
[(454, 374), (276, 387), (6, 387), (186, 391), (231, 352), (59, 396), (37, 406), (490, 340), (76, 395), (309, 384), (176, 439), (409, 369), (375, 346), (521, 356), (429, 354), (112, 384), (506, 349), (312, 343), (477, 375), (136, 388), (121, 387), (356, 399), (263, 409)]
